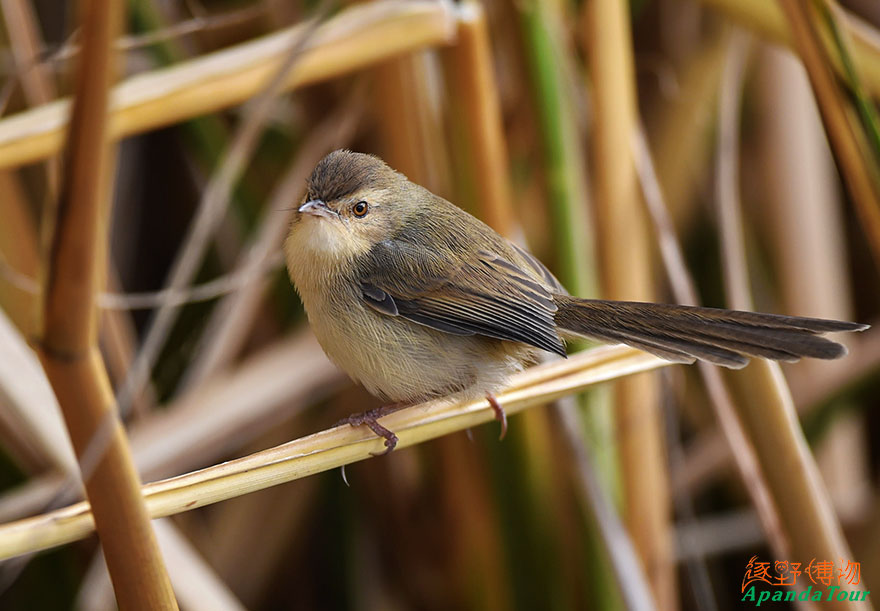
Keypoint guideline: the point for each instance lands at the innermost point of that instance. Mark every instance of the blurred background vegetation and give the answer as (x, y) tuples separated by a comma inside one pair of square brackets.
[(527, 114)]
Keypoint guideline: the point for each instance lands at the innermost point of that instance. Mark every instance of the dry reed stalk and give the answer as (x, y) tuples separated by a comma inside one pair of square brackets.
[(232, 318), (413, 134), (474, 526), (195, 582), (472, 84), (410, 123), (357, 37), (335, 447), (553, 80), (764, 401), (681, 124), (36, 79), (806, 220), (768, 19), (208, 216), (262, 527), (67, 344), (230, 409), (856, 162), (625, 257), (32, 427), (202, 426), (805, 510), (18, 253), (39, 88), (635, 591), (727, 192), (684, 290)]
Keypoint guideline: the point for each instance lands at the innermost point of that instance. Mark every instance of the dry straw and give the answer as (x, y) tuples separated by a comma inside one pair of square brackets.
[(67, 345), (626, 260), (334, 448), (357, 37)]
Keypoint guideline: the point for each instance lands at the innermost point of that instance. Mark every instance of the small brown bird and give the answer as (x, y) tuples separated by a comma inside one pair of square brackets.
[(415, 298)]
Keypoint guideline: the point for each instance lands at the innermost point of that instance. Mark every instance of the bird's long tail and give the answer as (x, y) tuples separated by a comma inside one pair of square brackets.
[(685, 333)]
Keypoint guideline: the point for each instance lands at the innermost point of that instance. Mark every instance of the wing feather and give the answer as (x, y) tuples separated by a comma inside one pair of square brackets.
[(484, 294)]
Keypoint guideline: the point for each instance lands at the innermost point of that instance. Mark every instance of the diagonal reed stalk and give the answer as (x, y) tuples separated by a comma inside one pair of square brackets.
[(67, 346), (357, 37), (626, 265), (551, 76), (800, 498), (858, 165), (768, 19), (772, 454), (469, 70), (335, 447)]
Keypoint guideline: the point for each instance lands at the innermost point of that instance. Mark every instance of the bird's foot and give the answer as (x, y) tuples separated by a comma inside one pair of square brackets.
[(370, 419), (500, 414)]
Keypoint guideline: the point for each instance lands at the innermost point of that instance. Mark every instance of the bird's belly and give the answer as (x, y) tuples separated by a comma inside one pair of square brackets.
[(402, 361)]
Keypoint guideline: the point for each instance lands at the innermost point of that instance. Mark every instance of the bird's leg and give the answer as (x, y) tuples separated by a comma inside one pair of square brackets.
[(370, 419), (500, 414)]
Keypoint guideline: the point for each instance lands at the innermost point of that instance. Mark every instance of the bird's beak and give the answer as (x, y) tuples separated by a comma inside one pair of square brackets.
[(317, 208)]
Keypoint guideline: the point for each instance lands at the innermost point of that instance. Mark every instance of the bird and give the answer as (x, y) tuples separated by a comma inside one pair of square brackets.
[(416, 299)]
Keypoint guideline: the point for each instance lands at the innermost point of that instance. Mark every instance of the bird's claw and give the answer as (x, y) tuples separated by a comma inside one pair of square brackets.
[(500, 414), (370, 419)]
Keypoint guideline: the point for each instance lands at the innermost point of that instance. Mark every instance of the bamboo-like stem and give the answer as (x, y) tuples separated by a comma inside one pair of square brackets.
[(624, 249), (680, 125), (18, 237), (36, 79), (199, 428), (413, 136), (736, 285), (410, 121), (18, 251), (230, 322), (632, 584), (855, 161), (807, 517), (685, 292), (564, 162), (469, 68), (806, 218), (33, 431), (39, 88), (768, 19), (765, 406), (335, 447), (67, 346), (482, 164), (563, 156), (357, 37)]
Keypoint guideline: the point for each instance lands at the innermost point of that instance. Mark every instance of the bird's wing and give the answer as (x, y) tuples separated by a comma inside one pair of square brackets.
[(481, 294)]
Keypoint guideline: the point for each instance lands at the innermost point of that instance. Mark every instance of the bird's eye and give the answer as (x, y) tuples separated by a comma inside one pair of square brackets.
[(360, 209)]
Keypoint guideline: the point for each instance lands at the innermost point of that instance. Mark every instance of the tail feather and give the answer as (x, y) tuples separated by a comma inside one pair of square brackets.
[(684, 333)]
